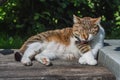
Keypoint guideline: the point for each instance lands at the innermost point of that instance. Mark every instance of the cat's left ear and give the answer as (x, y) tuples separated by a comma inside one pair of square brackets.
[(76, 19), (96, 20)]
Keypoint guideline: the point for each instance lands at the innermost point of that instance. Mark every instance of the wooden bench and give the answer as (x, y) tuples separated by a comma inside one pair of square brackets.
[(60, 70)]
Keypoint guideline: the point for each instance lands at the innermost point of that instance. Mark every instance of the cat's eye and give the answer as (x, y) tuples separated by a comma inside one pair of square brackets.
[(76, 34)]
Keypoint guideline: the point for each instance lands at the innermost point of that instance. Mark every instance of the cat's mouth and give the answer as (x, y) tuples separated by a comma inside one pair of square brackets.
[(83, 42), (80, 41)]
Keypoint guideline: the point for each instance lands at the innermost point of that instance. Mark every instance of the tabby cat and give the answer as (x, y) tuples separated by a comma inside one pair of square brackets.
[(81, 42)]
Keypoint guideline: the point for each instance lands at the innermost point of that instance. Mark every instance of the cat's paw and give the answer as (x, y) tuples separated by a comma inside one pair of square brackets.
[(92, 62), (82, 60), (42, 59), (88, 58), (26, 61), (45, 61)]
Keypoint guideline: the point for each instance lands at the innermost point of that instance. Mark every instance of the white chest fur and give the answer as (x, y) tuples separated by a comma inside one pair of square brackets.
[(57, 50)]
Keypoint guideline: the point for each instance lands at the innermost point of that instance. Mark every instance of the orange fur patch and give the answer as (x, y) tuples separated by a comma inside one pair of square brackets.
[(61, 36)]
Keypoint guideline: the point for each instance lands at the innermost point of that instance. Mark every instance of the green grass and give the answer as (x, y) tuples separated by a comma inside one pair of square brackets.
[(10, 42)]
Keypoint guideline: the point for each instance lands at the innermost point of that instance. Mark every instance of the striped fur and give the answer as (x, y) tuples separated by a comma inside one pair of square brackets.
[(57, 36), (84, 47), (60, 36)]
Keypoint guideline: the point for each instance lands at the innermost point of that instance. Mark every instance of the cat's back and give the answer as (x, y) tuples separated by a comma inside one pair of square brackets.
[(61, 36), (52, 35)]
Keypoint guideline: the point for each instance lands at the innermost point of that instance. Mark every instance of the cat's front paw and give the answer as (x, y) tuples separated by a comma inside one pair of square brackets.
[(83, 60), (92, 62), (88, 58)]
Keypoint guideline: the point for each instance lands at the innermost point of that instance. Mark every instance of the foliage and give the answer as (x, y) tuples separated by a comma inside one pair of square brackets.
[(10, 42), (23, 18)]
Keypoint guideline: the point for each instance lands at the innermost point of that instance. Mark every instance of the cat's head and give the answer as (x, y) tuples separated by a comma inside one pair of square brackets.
[(85, 29)]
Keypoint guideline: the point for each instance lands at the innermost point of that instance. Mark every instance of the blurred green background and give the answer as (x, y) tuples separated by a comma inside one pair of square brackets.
[(20, 19)]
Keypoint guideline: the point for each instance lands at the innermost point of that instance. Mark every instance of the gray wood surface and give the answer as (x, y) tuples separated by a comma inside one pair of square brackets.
[(60, 70)]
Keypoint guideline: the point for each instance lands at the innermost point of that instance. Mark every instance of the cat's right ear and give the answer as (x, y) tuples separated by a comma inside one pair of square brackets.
[(76, 19)]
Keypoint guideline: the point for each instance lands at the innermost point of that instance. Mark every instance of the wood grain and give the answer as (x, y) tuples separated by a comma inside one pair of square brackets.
[(60, 70)]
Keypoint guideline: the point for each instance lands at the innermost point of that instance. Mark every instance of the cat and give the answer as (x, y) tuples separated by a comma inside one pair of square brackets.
[(82, 42)]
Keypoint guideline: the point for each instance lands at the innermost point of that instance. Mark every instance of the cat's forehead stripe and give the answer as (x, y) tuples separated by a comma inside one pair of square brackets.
[(86, 18), (86, 21)]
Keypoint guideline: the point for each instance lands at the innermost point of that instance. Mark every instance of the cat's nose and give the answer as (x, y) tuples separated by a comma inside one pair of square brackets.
[(85, 36)]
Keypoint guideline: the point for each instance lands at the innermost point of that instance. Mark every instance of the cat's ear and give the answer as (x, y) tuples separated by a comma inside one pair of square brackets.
[(76, 19), (96, 20)]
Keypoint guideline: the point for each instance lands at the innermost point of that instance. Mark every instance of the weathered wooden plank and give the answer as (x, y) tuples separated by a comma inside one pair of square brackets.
[(56, 72), (61, 70)]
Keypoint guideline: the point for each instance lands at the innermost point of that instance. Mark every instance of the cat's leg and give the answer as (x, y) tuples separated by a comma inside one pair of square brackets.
[(30, 53), (96, 48), (88, 58), (45, 57), (98, 42)]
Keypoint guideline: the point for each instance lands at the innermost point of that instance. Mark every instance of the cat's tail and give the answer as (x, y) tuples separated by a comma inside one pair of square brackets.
[(18, 56)]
